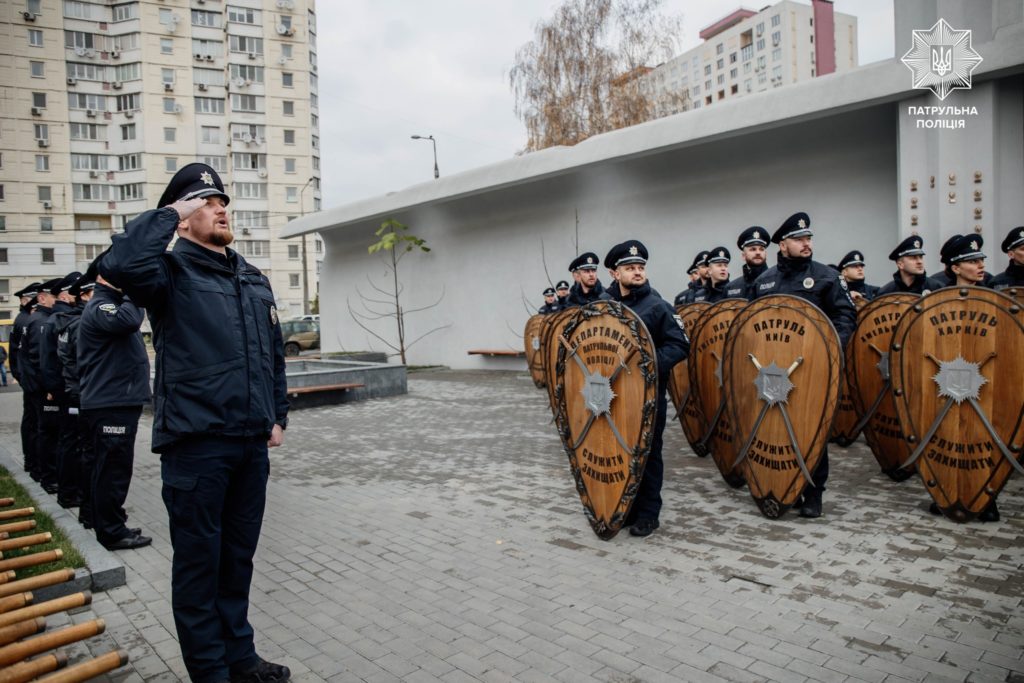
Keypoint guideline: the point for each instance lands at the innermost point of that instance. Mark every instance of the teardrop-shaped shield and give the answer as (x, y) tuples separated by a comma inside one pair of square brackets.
[(956, 373), (870, 387), (846, 423), (551, 346), (781, 379), (679, 389), (705, 373), (532, 344), (606, 380)]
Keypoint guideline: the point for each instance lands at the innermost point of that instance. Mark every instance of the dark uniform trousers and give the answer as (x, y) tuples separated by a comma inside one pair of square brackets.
[(215, 490), (48, 421), (647, 504), (29, 432), (113, 440), (86, 463), (69, 467)]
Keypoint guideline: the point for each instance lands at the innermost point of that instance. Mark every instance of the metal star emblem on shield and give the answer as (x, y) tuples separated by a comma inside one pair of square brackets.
[(206, 177)]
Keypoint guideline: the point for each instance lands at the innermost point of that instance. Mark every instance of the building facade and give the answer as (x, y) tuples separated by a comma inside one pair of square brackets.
[(747, 52), (104, 101)]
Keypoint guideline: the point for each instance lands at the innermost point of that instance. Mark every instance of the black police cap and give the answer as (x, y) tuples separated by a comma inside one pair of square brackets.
[(752, 236), (630, 251), (65, 283), (30, 289), (854, 258), (912, 246), (797, 225), (49, 285), (1014, 239), (947, 248), (191, 181), (562, 284), (966, 248), (550, 291), (585, 261), (719, 255), (702, 258)]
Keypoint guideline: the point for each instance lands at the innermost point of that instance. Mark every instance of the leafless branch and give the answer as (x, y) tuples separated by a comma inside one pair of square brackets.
[(355, 317), (436, 329), (424, 308)]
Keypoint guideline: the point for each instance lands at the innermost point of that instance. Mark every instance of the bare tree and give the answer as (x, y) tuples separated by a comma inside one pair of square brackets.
[(395, 243), (583, 74)]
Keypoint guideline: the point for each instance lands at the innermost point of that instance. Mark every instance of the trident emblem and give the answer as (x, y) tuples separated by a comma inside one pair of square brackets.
[(773, 388), (942, 60)]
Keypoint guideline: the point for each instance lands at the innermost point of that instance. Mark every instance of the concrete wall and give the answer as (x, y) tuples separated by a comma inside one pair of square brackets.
[(490, 250)]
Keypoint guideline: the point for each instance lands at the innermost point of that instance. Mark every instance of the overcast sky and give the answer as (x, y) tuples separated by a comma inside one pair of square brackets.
[(394, 68)]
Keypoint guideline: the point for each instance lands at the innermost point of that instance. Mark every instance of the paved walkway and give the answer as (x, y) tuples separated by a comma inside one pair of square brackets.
[(437, 537)]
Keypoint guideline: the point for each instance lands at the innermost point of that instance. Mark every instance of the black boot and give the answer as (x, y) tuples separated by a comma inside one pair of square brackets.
[(811, 507), (990, 513)]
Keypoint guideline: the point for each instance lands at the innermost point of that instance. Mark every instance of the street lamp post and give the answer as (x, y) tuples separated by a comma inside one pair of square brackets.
[(305, 268), (437, 174)]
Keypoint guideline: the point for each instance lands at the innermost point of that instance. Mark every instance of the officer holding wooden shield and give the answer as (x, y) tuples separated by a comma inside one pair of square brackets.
[(588, 287), (797, 274), (910, 276), (627, 263), (1012, 246), (752, 243), (851, 267), (718, 277)]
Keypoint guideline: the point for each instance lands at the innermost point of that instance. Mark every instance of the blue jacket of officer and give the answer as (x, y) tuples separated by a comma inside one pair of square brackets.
[(1013, 276), (711, 294), (113, 367), (921, 284), (31, 374), (220, 368), (670, 342), (67, 351), (577, 297), (17, 349), (815, 282), (50, 371), (743, 286), (686, 296), (869, 292)]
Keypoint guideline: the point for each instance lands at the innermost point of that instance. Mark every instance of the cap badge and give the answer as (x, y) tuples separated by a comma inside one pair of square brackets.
[(633, 251), (206, 177), (974, 245), (590, 260), (857, 257), (721, 254), (1022, 233), (757, 235), (801, 223), (917, 244), (808, 282)]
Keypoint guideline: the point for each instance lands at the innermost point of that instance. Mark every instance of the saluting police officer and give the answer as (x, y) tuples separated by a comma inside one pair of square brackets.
[(114, 372), (69, 492), (1013, 276), (910, 275), (18, 358), (752, 243), (718, 277), (47, 409), (550, 302), (796, 273), (221, 402), (851, 267), (627, 263), (588, 287)]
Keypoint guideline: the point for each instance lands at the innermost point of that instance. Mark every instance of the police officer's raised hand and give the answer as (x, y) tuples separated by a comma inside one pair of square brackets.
[(276, 437), (187, 207)]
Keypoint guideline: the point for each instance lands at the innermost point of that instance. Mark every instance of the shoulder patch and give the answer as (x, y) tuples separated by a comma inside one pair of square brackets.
[(109, 308), (679, 321), (765, 285)]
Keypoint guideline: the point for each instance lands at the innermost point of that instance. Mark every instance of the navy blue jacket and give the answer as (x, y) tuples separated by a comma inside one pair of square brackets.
[(743, 286), (113, 368), (869, 292), (686, 296), (922, 284), (710, 294), (670, 342), (220, 368), (550, 308), (17, 335), (1013, 276), (67, 351), (50, 369), (30, 372), (577, 297), (815, 282)]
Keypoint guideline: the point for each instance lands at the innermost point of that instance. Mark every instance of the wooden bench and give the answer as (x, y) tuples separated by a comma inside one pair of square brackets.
[(319, 395), (497, 352)]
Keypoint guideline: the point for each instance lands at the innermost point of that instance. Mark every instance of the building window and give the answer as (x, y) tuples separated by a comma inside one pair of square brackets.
[(204, 18), (130, 192), (37, 69), (288, 107), (39, 100), (126, 11), (35, 37), (720, 64), (251, 190), (3, 259), (46, 255), (44, 193), (776, 20), (167, 76), (3, 219), (129, 162), (734, 89), (209, 105), (289, 137), (760, 43), (245, 44), (246, 73), (166, 46), (284, 20), (129, 102), (287, 79), (733, 73), (293, 252), (170, 134), (719, 49), (217, 163), (247, 103), (128, 131), (776, 37), (293, 279), (289, 165), (170, 164), (168, 105), (1, 199), (291, 194), (42, 162), (760, 29), (243, 15), (732, 58), (748, 52), (210, 135), (46, 224), (721, 79), (776, 54), (286, 51)]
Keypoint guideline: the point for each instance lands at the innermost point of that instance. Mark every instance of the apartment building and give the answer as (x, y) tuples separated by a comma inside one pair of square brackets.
[(749, 51), (105, 100)]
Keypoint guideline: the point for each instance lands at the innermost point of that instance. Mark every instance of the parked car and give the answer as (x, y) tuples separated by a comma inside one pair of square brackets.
[(300, 335)]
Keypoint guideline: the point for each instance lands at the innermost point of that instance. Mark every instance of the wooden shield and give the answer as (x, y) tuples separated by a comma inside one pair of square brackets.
[(846, 424), (867, 374), (551, 345), (606, 383), (957, 365), (532, 344), (679, 389), (781, 380), (707, 346)]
